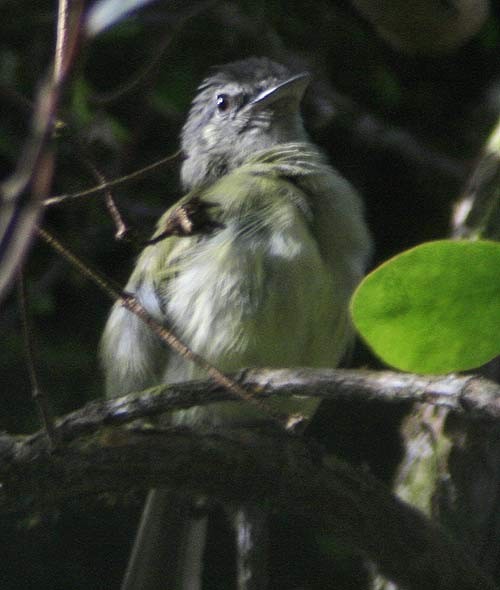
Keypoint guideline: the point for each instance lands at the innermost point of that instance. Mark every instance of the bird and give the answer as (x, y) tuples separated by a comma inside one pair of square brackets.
[(261, 277)]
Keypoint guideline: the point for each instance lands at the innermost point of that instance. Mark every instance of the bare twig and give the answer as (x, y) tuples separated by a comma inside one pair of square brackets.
[(252, 466), (20, 206), (69, 29), (39, 397), (477, 213), (112, 183), (475, 398), (122, 230), (130, 303), (156, 55), (146, 70), (62, 38)]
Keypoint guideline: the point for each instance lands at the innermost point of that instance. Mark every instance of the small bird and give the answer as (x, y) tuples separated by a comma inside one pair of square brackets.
[(264, 280)]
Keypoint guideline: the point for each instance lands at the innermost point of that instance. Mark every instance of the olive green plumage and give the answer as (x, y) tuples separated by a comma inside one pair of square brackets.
[(268, 287), (267, 283)]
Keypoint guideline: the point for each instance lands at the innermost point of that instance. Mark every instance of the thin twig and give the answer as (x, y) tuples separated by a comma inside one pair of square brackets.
[(137, 77), (22, 193), (156, 55), (112, 183), (41, 400), (130, 302), (105, 185), (61, 40), (69, 21), (122, 230)]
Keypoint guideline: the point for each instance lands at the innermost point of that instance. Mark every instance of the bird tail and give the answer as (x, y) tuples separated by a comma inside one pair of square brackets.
[(168, 549)]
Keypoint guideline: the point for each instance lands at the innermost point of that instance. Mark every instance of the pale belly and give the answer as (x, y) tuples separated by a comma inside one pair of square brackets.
[(256, 303)]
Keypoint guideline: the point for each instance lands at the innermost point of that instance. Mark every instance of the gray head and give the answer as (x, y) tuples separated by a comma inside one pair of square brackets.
[(245, 106)]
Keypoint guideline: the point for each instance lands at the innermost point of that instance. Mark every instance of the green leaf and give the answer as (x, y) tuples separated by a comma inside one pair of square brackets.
[(434, 308)]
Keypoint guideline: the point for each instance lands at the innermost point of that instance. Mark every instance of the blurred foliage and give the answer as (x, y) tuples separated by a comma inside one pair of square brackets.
[(406, 131)]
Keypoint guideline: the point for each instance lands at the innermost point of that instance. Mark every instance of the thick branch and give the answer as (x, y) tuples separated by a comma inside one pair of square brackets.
[(250, 466), (472, 395), (258, 465)]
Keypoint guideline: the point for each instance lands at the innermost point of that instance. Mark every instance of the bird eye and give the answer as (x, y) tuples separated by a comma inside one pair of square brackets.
[(223, 102)]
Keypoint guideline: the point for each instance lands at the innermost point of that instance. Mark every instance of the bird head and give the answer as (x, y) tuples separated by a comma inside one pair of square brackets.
[(243, 107)]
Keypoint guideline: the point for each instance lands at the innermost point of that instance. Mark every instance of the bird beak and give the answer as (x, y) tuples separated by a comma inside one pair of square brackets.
[(292, 89)]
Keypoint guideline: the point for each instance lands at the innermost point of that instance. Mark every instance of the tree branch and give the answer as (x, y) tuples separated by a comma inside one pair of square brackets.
[(472, 395), (258, 465), (137, 174), (22, 193), (477, 213)]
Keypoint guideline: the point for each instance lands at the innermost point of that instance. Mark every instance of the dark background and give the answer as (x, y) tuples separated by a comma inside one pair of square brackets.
[(405, 130)]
